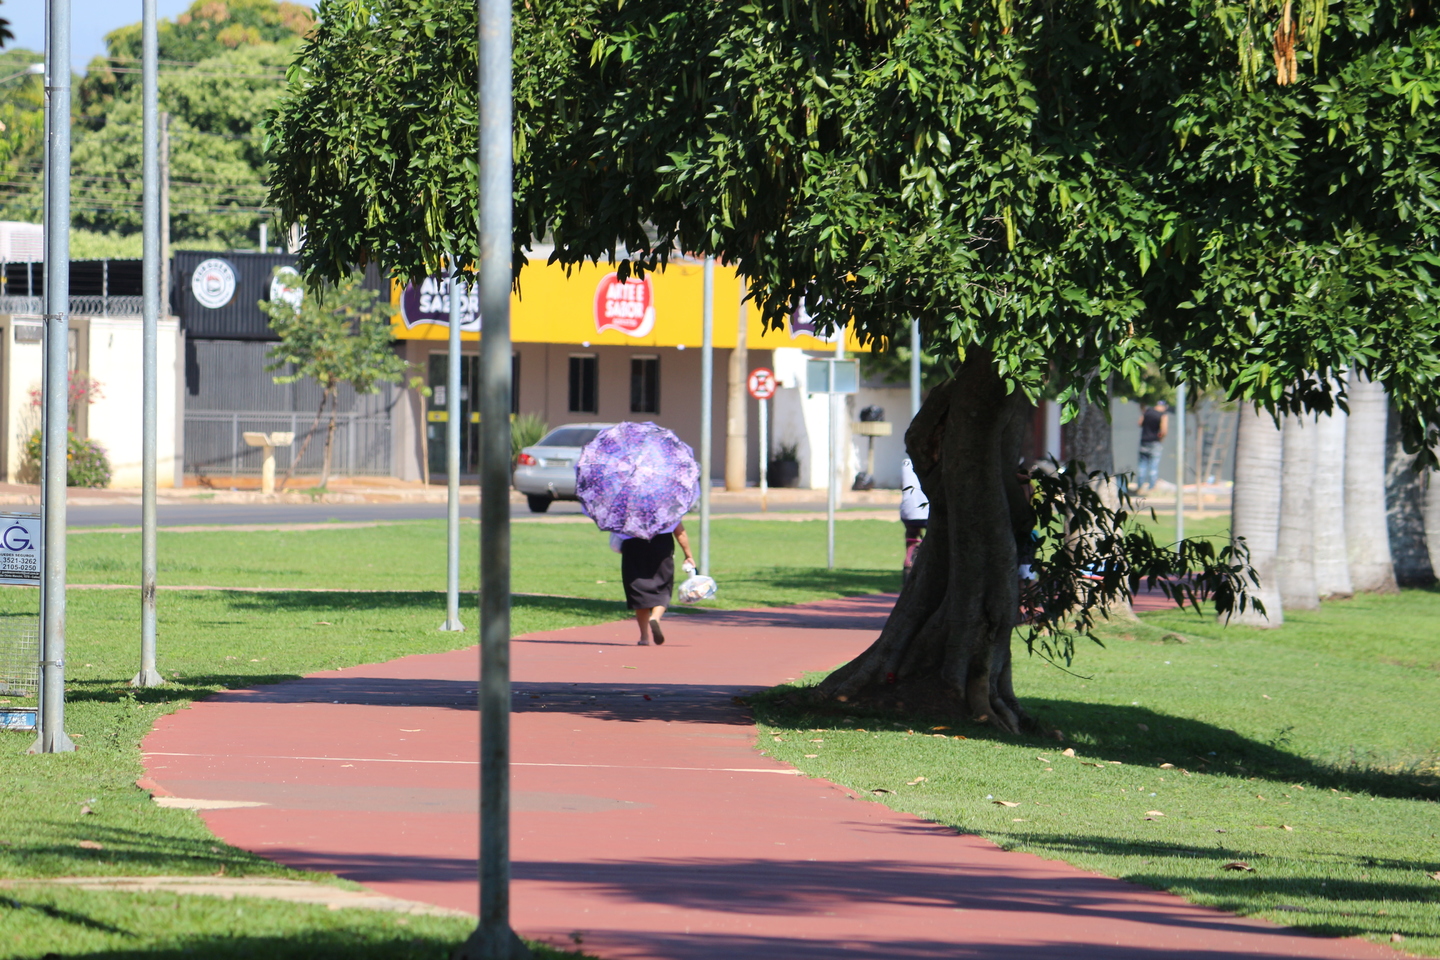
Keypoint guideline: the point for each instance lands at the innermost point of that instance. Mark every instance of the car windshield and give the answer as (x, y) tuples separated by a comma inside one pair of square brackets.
[(569, 437)]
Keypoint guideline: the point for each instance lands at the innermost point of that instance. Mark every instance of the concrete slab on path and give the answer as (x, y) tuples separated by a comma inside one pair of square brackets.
[(645, 821)]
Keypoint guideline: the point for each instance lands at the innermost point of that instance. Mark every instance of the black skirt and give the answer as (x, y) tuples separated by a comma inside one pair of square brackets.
[(648, 569)]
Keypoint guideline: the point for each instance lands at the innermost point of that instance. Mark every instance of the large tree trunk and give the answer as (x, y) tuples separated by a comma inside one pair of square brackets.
[(1255, 511), (1405, 512), (1367, 537), (1332, 564), (946, 645), (1295, 566)]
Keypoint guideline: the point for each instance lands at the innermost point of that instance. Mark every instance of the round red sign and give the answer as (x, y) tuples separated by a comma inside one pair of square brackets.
[(628, 307), (761, 383)]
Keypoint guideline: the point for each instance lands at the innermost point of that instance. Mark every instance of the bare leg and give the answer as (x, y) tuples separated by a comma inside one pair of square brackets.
[(642, 617), (656, 633)]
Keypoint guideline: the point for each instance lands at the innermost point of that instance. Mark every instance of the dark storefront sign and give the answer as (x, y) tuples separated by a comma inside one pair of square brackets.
[(217, 295)]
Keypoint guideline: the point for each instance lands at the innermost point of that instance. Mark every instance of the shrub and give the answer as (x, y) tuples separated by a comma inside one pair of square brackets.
[(87, 464), (526, 429)]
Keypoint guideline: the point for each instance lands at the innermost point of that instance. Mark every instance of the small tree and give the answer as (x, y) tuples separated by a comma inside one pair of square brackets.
[(338, 334)]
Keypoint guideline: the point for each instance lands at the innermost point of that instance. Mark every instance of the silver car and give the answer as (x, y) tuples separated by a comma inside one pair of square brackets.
[(545, 472)]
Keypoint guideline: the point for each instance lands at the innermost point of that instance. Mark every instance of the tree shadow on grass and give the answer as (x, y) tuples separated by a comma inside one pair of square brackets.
[(810, 580), (1112, 732)]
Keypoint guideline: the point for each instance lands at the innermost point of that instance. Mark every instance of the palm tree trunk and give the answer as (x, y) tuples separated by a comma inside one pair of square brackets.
[(1432, 515), (1405, 512), (1367, 537), (1295, 569), (1255, 510), (330, 437), (1332, 565)]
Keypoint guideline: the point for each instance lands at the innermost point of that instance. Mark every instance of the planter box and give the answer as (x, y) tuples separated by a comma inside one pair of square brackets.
[(784, 473)]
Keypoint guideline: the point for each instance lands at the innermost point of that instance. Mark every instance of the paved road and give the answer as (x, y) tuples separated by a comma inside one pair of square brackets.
[(188, 514), (644, 820)]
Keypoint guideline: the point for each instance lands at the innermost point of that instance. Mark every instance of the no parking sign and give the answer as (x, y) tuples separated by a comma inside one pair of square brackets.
[(761, 383)]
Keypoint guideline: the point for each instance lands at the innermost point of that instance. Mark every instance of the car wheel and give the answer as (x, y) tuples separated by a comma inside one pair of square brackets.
[(539, 503)]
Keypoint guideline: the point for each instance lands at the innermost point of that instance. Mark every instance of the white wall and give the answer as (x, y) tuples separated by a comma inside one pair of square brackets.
[(114, 419), (23, 369), (889, 451)]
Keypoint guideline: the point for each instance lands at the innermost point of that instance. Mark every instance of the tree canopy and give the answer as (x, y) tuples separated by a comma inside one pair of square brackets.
[(222, 64), (1242, 193)]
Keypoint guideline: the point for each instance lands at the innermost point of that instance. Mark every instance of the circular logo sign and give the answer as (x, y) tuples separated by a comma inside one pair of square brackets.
[(213, 283), (286, 285), (761, 383), (628, 307)]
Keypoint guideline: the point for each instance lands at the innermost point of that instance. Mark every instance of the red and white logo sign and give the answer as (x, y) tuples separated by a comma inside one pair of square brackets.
[(761, 383), (628, 307)]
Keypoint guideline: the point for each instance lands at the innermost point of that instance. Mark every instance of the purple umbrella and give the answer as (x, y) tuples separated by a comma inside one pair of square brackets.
[(637, 479)]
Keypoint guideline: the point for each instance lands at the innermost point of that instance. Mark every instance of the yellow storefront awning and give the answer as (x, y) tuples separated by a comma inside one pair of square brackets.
[(591, 307)]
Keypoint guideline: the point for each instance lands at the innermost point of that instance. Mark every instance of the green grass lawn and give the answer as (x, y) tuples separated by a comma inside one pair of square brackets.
[(1311, 753), (756, 562), (209, 642), (216, 640)]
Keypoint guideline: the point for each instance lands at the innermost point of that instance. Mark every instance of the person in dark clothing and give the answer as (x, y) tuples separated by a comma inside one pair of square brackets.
[(1154, 425), (647, 568)]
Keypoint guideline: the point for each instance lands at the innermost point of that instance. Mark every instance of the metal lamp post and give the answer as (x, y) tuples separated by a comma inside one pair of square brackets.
[(56, 410), (452, 462), (707, 386), (493, 939), (149, 676)]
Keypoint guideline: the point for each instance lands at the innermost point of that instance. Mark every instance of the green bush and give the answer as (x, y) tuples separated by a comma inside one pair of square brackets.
[(88, 466), (526, 429)]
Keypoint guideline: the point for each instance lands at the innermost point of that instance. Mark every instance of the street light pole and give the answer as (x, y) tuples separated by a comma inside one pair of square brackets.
[(914, 369), (149, 675), (493, 938), (452, 462), (1180, 463), (707, 386), (56, 409), (832, 495)]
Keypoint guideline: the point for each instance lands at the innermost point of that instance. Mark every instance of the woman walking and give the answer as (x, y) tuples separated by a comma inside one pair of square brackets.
[(648, 569), (636, 480)]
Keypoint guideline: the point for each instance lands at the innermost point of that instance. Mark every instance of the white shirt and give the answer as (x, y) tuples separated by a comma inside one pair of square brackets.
[(914, 505)]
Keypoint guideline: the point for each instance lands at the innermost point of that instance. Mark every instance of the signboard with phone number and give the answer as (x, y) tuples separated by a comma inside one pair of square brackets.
[(20, 549)]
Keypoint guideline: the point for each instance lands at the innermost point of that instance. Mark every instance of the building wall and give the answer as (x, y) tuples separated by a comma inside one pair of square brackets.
[(543, 388), (115, 421), (23, 361)]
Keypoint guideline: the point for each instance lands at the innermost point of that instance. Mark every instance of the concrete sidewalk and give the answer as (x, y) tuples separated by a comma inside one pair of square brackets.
[(646, 824)]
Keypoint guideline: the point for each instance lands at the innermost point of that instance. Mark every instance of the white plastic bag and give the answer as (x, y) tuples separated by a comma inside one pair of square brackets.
[(697, 588)]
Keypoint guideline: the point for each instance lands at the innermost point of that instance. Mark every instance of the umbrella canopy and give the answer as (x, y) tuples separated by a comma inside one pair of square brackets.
[(637, 479)]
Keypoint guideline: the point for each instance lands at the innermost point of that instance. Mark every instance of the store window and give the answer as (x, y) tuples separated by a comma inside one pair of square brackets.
[(645, 384), (584, 374)]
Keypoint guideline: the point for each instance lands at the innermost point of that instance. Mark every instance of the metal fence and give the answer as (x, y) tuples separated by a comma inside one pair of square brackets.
[(215, 443), (79, 306), (20, 655)]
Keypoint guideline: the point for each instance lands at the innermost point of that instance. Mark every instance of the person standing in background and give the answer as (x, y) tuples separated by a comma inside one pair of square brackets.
[(1154, 425), (914, 511)]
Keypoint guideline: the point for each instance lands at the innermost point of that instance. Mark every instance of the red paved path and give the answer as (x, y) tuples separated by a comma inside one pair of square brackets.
[(652, 825)]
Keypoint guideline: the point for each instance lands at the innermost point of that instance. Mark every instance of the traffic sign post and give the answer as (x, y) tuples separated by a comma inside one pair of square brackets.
[(20, 637), (762, 387)]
